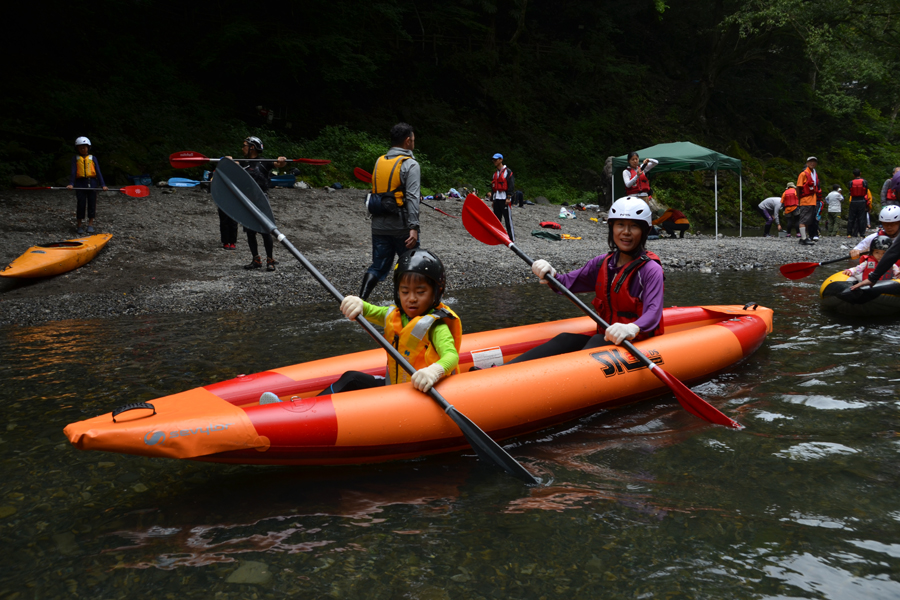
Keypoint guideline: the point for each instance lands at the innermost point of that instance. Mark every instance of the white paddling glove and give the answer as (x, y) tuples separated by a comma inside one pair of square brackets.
[(352, 307), (619, 332), (424, 379), (540, 268)]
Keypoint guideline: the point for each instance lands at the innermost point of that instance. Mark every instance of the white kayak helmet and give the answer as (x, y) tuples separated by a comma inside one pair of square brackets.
[(889, 214), (82, 141), (631, 207)]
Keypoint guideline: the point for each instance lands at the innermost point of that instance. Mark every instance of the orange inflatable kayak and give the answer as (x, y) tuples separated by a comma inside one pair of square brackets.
[(54, 258), (225, 422)]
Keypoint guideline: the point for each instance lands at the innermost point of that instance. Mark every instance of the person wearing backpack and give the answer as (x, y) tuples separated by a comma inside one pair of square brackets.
[(856, 217), (503, 185), (394, 205), (889, 196)]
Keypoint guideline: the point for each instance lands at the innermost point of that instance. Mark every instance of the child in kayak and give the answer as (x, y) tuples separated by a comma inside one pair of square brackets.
[(868, 262), (85, 174), (627, 281), (423, 329)]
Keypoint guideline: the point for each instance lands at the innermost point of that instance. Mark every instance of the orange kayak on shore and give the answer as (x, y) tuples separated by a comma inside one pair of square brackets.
[(226, 422), (54, 258)]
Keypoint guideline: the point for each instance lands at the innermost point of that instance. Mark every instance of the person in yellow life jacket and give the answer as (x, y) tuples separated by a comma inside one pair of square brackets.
[(673, 220), (422, 328), (85, 174), (790, 202), (809, 191)]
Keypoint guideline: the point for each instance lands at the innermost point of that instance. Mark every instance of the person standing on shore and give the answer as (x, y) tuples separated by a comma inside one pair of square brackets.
[(769, 208), (503, 186), (833, 200), (394, 232), (252, 148), (85, 174), (635, 176), (856, 217), (887, 195), (790, 202), (810, 193)]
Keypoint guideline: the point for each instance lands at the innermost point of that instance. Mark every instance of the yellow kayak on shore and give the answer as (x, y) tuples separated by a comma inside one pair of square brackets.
[(45, 260)]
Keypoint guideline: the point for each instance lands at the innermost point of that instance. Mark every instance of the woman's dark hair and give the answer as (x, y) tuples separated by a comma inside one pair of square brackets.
[(399, 133), (639, 249), (630, 154)]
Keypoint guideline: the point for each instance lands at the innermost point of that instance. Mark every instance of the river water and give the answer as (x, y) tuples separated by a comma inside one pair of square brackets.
[(644, 501)]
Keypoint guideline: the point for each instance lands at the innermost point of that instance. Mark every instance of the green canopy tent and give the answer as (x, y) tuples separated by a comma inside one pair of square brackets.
[(685, 156)]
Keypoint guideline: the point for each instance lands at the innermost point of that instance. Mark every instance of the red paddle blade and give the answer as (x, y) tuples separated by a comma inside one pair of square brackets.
[(33, 188), (312, 161), (363, 176), (186, 159), (693, 403), (798, 270), (136, 191), (481, 223)]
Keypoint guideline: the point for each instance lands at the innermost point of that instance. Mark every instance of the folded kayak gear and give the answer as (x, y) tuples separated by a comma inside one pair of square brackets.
[(134, 191), (880, 299), (547, 235), (54, 258), (550, 225), (230, 422), (188, 159)]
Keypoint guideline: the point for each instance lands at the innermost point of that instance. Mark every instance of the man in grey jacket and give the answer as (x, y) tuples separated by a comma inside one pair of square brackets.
[(394, 234), (886, 187)]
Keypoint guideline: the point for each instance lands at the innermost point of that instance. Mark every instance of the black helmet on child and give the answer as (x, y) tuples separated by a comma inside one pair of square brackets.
[(882, 242), (424, 263), (255, 142)]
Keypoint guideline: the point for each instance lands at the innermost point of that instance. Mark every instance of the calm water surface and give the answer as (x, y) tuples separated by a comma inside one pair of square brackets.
[(643, 501)]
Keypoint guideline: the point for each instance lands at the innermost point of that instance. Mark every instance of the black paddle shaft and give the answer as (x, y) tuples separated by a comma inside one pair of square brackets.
[(246, 210)]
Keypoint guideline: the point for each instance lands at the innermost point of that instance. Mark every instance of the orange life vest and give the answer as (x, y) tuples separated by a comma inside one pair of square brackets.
[(809, 187), (413, 340), (84, 167), (613, 300), (642, 186), (386, 177)]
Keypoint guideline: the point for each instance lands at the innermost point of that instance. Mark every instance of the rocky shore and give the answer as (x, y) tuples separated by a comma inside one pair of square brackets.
[(165, 255)]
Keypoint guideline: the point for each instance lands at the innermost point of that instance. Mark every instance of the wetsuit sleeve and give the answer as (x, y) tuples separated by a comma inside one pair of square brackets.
[(649, 285), (446, 349), (375, 314), (99, 174), (585, 278), (891, 256)]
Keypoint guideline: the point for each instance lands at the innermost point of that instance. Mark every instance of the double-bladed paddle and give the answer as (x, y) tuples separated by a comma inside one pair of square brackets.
[(366, 177), (235, 192), (484, 226), (188, 159), (135, 191), (800, 270)]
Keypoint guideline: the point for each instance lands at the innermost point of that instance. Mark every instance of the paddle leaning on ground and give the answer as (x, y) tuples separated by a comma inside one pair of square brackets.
[(366, 177), (135, 191), (484, 226), (799, 270), (235, 192), (188, 159)]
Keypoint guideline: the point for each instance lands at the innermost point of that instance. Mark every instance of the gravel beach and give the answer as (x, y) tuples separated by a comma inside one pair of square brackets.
[(165, 255)]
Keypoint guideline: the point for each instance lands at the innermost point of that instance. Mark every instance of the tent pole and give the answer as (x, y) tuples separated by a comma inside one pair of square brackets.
[(741, 196), (716, 187)]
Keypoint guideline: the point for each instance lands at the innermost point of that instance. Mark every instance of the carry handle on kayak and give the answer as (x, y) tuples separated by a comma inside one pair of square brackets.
[(134, 406)]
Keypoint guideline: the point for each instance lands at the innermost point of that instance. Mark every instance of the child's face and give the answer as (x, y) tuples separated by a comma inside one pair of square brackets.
[(416, 297), (877, 254), (83, 149)]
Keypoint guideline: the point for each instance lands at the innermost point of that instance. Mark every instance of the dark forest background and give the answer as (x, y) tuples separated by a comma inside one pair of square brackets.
[(555, 86)]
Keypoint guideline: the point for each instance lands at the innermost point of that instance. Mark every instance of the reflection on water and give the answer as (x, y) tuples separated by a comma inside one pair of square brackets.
[(643, 501)]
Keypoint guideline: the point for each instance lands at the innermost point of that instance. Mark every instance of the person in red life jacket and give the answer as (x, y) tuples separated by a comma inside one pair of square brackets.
[(868, 262), (627, 282), (503, 186), (85, 174), (259, 171), (422, 328), (791, 202), (888, 195), (856, 216), (671, 221), (635, 176), (810, 193)]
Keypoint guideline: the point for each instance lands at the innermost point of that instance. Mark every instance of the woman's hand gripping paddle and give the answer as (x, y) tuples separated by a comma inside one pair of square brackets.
[(235, 192), (366, 177), (188, 159), (135, 191), (805, 269), (484, 226)]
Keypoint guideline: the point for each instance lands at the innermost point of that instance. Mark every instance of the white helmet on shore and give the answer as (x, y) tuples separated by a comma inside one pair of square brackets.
[(82, 141), (889, 214), (631, 207)]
